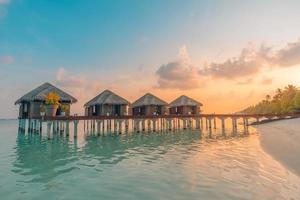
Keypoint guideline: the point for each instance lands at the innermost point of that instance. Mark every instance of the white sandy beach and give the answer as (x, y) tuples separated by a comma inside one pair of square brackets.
[(281, 139)]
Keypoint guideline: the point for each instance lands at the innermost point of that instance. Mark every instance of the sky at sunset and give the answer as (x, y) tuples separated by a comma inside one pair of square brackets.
[(225, 54)]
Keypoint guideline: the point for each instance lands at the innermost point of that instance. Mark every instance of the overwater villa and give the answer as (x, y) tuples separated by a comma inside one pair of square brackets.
[(107, 103), (185, 105), (149, 105), (32, 102)]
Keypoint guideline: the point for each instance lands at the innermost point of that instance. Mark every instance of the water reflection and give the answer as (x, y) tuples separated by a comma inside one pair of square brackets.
[(170, 165), (42, 159)]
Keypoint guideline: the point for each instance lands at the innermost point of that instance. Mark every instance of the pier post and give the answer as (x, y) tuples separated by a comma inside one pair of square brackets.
[(49, 123), (174, 124), (115, 126), (201, 122), (37, 128), (62, 127), (94, 126), (57, 126), (34, 126), (53, 127), (126, 125), (234, 126), (209, 127), (20, 124), (120, 126), (170, 124), (137, 125), (197, 123), (154, 125), (107, 126), (98, 127), (67, 128), (149, 125), (246, 125), (29, 126), (215, 123), (143, 125), (184, 123), (223, 125), (209, 123), (41, 126), (103, 126), (110, 125), (189, 123), (206, 123), (75, 128), (24, 125)]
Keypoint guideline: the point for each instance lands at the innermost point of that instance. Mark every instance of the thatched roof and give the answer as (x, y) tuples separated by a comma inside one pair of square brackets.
[(185, 101), (40, 93), (149, 99), (107, 97)]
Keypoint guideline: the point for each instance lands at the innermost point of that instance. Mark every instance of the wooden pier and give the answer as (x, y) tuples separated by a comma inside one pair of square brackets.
[(154, 123)]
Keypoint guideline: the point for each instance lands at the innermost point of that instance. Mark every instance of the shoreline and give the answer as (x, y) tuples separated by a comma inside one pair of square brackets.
[(265, 121), (281, 140)]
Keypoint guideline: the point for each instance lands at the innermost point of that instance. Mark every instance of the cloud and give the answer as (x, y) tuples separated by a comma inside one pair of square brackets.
[(180, 74), (266, 81), (245, 82), (288, 56), (7, 60), (248, 63), (252, 61), (76, 85), (4, 2), (64, 80), (3, 9)]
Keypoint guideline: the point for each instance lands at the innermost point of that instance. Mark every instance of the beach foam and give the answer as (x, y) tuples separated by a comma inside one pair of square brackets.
[(281, 139)]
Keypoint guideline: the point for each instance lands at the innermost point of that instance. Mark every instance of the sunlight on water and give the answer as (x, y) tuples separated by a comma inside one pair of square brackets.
[(163, 165)]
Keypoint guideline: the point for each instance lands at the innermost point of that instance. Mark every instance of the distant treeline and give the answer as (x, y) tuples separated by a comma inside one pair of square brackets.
[(284, 101)]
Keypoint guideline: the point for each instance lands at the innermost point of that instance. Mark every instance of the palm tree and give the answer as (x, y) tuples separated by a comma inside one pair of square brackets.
[(268, 97), (290, 91)]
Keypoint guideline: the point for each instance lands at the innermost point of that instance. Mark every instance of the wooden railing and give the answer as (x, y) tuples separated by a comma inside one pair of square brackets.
[(104, 117)]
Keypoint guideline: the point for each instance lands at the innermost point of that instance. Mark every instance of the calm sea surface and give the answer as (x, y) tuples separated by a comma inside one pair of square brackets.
[(164, 165)]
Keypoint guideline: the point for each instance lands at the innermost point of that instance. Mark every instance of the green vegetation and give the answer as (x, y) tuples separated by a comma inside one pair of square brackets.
[(64, 108), (284, 101)]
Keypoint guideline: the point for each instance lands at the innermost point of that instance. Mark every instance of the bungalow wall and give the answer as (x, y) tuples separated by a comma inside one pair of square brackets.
[(30, 109), (99, 110), (33, 109), (149, 110), (184, 110)]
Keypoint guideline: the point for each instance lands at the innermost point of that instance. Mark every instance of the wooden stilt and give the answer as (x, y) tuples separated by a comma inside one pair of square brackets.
[(75, 128)]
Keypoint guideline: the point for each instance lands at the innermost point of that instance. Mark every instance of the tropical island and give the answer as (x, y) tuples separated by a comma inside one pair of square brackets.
[(286, 100)]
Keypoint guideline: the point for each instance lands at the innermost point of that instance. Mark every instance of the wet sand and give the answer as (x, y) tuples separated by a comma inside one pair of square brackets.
[(281, 139)]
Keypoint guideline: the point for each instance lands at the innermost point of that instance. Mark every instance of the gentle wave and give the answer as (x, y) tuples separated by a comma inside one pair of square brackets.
[(171, 165)]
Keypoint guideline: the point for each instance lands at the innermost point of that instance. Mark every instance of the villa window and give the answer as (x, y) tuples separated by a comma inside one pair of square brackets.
[(25, 107)]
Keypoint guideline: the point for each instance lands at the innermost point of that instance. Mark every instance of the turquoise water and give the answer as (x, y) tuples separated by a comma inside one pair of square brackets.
[(174, 165)]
